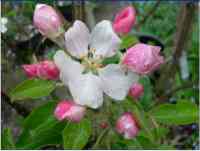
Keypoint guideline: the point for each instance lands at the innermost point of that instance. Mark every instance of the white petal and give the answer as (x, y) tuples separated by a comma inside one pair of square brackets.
[(68, 67), (116, 81), (86, 90), (104, 40), (77, 39)]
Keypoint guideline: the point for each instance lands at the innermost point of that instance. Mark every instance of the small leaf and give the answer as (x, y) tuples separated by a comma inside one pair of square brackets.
[(32, 89), (158, 132), (128, 41), (184, 112), (112, 60), (76, 135), (7, 142), (145, 143), (139, 142), (166, 147)]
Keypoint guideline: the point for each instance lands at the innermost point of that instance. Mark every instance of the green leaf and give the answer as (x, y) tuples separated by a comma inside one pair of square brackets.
[(146, 99), (158, 132), (139, 142), (112, 60), (7, 139), (128, 41), (32, 89), (184, 112), (41, 128), (145, 143), (43, 111), (76, 135), (166, 147)]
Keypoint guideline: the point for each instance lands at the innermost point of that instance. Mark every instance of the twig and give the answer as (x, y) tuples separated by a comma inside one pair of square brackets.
[(90, 15), (148, 14), (20, 109), (184, 86), (78, 9), (184, 24)]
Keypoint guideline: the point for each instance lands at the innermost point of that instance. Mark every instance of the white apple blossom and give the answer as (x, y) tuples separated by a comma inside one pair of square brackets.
[(88, 80)]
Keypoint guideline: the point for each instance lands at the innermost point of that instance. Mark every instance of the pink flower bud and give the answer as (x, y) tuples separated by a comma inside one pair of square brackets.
[(143, 58), (127, 126), (48, 21), (124, 20), (103, 125), (47, 70), (67, 109), (30, 70), (136, 90)]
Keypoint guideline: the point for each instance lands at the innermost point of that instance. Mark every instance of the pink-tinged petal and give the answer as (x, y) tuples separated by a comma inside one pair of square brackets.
[(116, 81), (30, 70), (77, 39), (48, 70), (67, 109), (104, 41), (136, 90), (68, 67), (143, 58), (127, 126), (48, 21), (124, 20)]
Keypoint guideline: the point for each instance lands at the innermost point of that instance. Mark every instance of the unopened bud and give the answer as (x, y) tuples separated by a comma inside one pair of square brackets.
[(48, 21), (67, 109), (127, 126)]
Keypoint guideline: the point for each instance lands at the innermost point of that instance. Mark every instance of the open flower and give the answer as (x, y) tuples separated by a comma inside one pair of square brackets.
[(88, 81)]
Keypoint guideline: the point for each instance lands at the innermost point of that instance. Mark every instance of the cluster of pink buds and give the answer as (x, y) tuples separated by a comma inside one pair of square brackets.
[(127, 125), (44, 69), (68, 110)]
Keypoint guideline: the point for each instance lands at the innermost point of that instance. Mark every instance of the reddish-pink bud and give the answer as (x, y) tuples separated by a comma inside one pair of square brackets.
[(47, 70), (124, 20), (127, 126), (48, 21), (30, 70), (136, 90), (143, 58), (103, 125), (67, 109)]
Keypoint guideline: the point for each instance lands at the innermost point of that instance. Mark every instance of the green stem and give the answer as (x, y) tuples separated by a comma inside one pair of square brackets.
[(99, 139)]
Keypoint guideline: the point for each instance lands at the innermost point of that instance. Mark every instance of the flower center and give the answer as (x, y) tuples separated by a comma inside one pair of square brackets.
[(91, 64)]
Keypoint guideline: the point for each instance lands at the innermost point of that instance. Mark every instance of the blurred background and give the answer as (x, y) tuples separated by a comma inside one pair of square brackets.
[(171, 25)]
